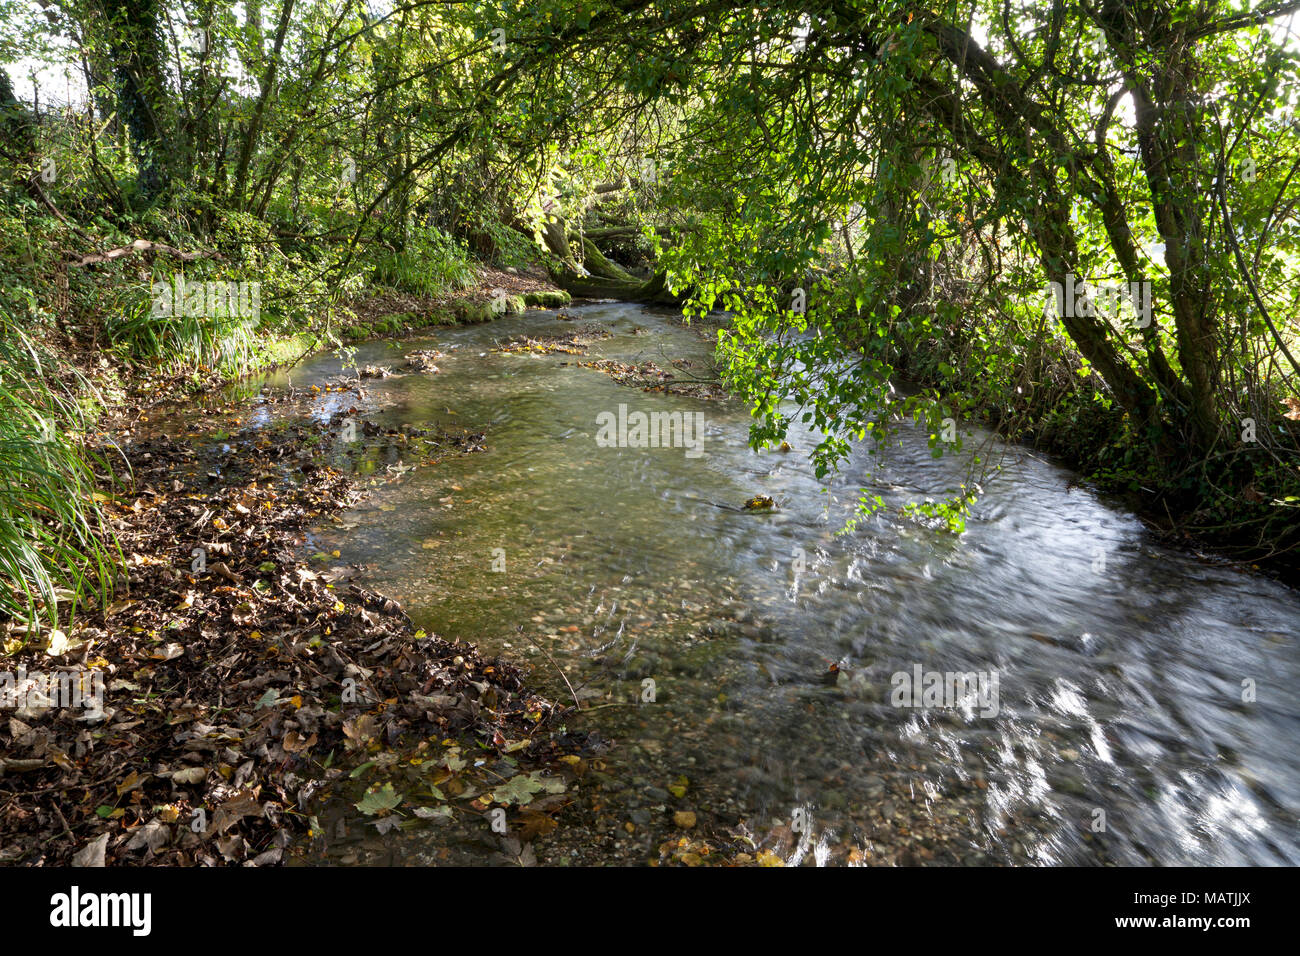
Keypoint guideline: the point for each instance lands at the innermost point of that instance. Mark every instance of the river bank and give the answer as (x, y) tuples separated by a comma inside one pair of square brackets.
[(243, 694), (237, 692)]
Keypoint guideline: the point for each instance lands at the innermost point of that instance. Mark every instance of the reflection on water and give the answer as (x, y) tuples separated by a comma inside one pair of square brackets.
[(1120, 732)]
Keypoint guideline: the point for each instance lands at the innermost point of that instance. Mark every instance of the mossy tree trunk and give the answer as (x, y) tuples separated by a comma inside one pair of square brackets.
[(598, 277)]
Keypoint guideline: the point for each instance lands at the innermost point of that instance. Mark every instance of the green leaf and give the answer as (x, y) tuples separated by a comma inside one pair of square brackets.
[(379, 800), (521, 789)]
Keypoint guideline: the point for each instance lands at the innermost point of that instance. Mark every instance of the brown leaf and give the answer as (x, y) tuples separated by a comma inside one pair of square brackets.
[(294, 742), (532, 825), (235, 809), (132, 781)]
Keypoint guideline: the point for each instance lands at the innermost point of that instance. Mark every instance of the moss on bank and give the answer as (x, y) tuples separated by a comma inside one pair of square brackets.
[(466, 311)]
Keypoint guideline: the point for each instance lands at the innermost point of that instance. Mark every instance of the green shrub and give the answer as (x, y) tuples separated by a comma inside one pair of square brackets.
[(432, 263), (177, 342)]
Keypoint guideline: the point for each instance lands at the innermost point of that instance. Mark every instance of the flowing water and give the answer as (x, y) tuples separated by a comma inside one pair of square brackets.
[(1144, 709)]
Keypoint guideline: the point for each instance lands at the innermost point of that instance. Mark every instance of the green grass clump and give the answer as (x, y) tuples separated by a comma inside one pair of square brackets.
[(55, 545)]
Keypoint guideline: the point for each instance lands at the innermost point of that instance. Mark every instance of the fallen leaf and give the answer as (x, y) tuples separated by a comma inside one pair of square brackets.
[(235, 809), (381, 800), (190, 775), (92, 854), (132, 781)]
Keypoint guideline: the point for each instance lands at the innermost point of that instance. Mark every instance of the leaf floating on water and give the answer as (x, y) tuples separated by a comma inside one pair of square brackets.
[(453, 761), (379, 800), (533, 824), (440, 814), (521, 789), (517, 853)]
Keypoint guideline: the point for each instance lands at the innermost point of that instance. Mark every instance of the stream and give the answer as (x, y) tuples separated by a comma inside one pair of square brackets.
[(1133, 704)]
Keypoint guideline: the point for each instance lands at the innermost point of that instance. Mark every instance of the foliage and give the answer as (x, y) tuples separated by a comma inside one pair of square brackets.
[(54, 545), (881, 195), (430, 263)]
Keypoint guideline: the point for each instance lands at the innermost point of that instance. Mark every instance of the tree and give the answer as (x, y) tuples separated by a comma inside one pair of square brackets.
[(135, 47)]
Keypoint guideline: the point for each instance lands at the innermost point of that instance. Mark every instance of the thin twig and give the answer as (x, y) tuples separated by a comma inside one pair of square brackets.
[(577, 703)]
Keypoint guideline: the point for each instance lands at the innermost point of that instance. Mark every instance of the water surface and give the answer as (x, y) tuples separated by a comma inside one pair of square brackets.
[(1120, 733)]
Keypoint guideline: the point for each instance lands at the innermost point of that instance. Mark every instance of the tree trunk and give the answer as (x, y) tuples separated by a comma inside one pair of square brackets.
[(16, 123), (599, 278), (254, 128), (137, 66)]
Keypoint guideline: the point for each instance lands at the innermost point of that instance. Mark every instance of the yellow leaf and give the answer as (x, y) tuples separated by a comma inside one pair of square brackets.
[(58, 644), (132, 781)]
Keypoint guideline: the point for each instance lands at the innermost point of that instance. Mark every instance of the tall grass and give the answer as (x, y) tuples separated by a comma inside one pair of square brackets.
[(432, 263), (178, 343), (55, 545)]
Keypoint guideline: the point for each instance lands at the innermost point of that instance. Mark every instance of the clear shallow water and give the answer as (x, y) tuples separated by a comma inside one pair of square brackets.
[(1120, 664)]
